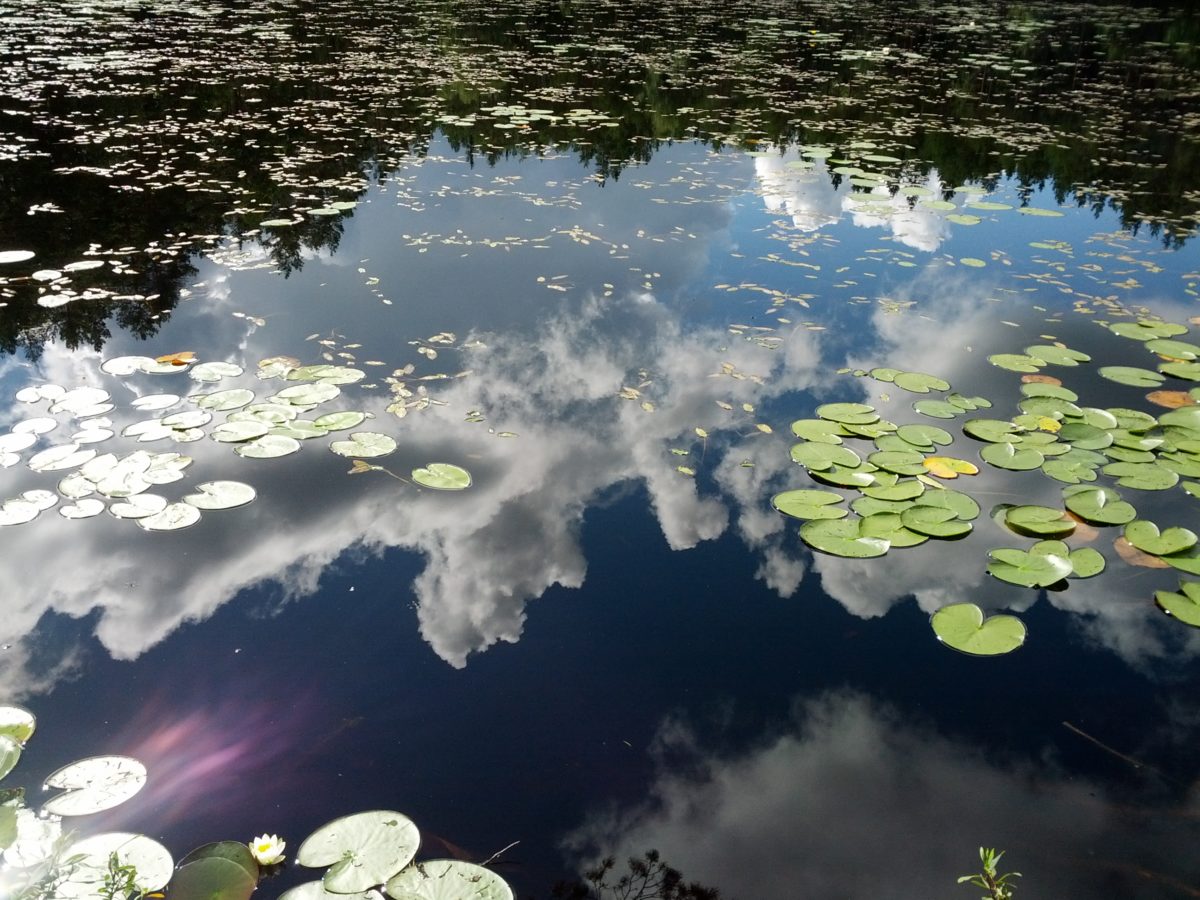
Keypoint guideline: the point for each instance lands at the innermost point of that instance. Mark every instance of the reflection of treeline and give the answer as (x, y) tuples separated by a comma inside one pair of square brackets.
[(1099, 107)]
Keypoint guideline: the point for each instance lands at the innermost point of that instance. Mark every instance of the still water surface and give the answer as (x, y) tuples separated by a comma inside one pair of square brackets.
[(601, 258)]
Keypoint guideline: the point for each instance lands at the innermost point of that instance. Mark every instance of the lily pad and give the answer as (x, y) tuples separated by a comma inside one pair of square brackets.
[(935, 522), (363, 849), (841, 537), (150, 861), (1039, 521), (269, 446), (212, 878), (10, 754), (1056, 355), (340, 421), (220, 495), (920, 382), (17, 723), (1009, 456), (447, 879), (173, 517), (449, 477), (962, 627), (315, 890), (93, 785), (889, 526), (1184, 606), (1142, 476), (1146, 537), (364, 445), (850, 413), (1132, 376), (818, 456), (1027, 568), (801, 504), (1098, 505), (938, 409)]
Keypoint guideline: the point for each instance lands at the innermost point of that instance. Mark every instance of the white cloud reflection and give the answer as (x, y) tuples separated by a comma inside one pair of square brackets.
[(856, 801)]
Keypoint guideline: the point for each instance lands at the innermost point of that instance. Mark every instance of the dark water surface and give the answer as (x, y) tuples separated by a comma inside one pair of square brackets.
[(612, 244)]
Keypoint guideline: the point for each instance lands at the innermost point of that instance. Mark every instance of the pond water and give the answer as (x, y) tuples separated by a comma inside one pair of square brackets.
[(586, 281)]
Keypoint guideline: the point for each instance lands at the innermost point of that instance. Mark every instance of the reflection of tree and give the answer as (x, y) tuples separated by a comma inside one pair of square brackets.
[(648, 878), (207, 127)]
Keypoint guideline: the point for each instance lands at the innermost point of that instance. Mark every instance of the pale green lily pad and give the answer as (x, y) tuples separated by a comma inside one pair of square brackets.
[(1188, 371), (1069, 471), (962, 627), (1147, 329), (801, 504), (904, 489), (340, 421), (1028, 569), (1132, 376), (269, 446), (84, 508), (820, 431), (1039, 521), (173, 517), (1038, 211), (1055, 355), (994, 431), (1146, 537), (962, 505), (860, 476), (1184, 606), (233, 851), (220, 495), (1086, 562), (448, 477), (309, 393), (938, 409), (1187, 417), (10, 754), (1172, 348), (315, 890), (232, 432), (364, 445), (1016, 362), (93, 785), (925, 437), (1098, 505), (139, 506), (841, 537), (224, 401), (212, 878), (920, 382), (889, 526), (17, 723), (300, 429), (151, 863), (447, 879), (214, 371), (363, 850), (900, 462)]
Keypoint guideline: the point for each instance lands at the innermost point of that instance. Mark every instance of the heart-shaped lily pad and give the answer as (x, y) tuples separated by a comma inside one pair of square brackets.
[(363, 849), (850, 413), (94, 784), (1146, 537), (935, 522), (1039, 521), (1098, 505), (962, 627), (1142, 476), (889, 526), (809, 504), (1008, 456), (817, 456), (1028, 569), (1185, 606), (448, 879), (949, 466), (364, 445), (1132, 376), (841, 537)]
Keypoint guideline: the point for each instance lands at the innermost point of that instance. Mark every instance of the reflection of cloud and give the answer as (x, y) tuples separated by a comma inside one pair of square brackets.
[(809, 197), (488, 551), (856, 802)]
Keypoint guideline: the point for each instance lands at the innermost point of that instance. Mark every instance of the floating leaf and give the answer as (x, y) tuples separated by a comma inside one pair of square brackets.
[(848, 413), (212, 878), (819, 456), (17, 723), (1132, 376), (315, 890), (1008, 456), (150, 862), (1016, 362), (1184, 606), (1056, 355), (442, 477), (173, 517), (269, 446), (10, 754), (924, 437), (1098, 505), (995, 431), (1039, 521), (962, 627), (841, 537), (949, 466), (363, 849), (365, 444), (920, 383), (340, 421), (94, 784), (938, 409), (1028, 569), (447, 879), (1086, 563), (934, 521), (220, 495), (802, 504), (176, 359), (1146, 537), (1142, 476)]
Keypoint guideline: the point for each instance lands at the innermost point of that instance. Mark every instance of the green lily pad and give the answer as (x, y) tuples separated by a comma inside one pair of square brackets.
[(1084, 436), (849, 413), (1187, 417), (448, 477), (213, 878), (1040, 389), (819, 457), (1147, 329), (1016, 362), (1145, 535), (962, 627), (821, 431), (809, 504), (1188, 371), (1098, 505), (1069, 471), (903, 489), (340, 421), (841, 537), (233, 851), (920, 383), (1086, 562), (968, 404), (1058, 356), (1008, 456), (993, 431), (1028, 569), (220, 495), (848, 477), (1174, 349), (1052, 407), (150, 861), (934, 521), (1039, 521), (448, 879), (870, 430), (1132, 376), (962, 505), (938, 409), (10, 754), (363, 849), (901, 462), (1142, 476), (1184, 606), (924, 437), (889, 526)]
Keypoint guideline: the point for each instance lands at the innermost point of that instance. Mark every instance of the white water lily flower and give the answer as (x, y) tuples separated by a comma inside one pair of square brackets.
[(267, 849)]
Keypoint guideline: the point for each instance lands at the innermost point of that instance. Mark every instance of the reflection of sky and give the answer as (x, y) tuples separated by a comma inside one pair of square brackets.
[(549, 368)]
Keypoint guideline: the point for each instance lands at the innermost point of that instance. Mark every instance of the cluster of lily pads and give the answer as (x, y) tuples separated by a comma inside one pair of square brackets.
[(904, 500), (362, 853), (257, 428)]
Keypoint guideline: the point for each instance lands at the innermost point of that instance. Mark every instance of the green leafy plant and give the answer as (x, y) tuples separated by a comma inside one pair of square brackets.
[(996, 885)]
